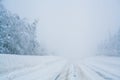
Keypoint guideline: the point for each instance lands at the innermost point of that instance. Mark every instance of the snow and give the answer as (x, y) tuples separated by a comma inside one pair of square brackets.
[(18, 67)]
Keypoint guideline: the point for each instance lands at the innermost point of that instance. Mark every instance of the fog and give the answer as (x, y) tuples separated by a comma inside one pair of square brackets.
[(70, 28)]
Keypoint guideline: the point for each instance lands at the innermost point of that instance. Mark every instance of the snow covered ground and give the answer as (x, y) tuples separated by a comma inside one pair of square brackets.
[(13, 67)]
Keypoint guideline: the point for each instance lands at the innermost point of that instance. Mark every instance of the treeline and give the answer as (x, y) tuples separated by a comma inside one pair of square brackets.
[(18, 36), (111, 46)]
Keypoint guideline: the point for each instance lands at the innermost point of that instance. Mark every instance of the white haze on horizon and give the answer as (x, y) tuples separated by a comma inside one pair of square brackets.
[(70, 28)]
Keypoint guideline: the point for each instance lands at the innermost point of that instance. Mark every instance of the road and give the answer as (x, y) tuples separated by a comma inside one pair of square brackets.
[(13, 67)]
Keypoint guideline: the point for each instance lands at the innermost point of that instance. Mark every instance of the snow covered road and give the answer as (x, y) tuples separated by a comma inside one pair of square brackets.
[(13, 67)]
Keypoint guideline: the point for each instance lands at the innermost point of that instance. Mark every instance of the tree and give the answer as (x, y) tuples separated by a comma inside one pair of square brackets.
[(111, 46), (17, 36)]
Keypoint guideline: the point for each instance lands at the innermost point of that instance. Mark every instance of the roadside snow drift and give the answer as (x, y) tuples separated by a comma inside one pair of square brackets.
[(14, 67)]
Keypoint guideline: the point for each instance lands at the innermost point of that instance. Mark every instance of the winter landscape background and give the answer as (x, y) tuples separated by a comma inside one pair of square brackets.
[(70, 39)]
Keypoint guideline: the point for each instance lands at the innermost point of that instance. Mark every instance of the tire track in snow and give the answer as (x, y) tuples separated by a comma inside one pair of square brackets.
[(30, 70), (104, 74), (58, 69)]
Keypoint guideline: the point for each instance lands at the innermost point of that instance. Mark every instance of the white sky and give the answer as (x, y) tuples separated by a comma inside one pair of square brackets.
[(70, 28)]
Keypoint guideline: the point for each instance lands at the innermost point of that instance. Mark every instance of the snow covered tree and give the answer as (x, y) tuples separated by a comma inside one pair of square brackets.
[(17, 36), (111, 46)]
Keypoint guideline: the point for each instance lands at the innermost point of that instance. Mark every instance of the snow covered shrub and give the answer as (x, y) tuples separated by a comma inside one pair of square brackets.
[(17, 36)]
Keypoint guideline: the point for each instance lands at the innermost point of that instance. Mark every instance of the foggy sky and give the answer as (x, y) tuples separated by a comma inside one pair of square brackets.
[(70, 28)]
